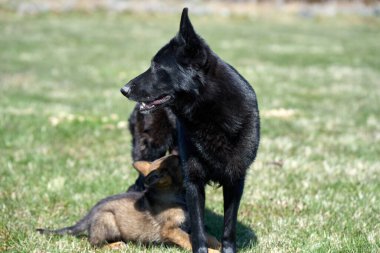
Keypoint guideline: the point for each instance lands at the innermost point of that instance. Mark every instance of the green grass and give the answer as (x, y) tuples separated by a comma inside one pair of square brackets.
[(315, 186)]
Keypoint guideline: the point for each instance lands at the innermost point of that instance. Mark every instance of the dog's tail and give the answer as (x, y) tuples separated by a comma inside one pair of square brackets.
[(79, 228)]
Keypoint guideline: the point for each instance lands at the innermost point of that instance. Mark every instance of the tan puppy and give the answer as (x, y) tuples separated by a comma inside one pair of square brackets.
[(156, 215)]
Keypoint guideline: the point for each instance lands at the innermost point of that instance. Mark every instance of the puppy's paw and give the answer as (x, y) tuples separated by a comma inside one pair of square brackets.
[(116, 245), (213, 243)]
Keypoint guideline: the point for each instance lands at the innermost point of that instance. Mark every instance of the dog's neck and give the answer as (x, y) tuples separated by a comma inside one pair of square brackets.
[(204, 105)]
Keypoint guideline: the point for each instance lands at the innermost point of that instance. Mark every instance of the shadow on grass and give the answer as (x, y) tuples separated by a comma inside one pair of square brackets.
[(245, 236)]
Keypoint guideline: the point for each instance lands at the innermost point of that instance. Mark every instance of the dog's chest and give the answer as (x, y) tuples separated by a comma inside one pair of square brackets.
[(210, 140), (171, 218)]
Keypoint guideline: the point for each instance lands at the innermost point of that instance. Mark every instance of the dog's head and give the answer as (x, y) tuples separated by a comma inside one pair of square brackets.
[(175, 69), (163, 173)]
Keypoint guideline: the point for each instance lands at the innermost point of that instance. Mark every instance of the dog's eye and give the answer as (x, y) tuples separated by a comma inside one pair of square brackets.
[(152, 178)]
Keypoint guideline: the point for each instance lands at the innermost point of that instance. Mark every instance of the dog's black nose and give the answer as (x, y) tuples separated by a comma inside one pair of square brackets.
[(126, 90)]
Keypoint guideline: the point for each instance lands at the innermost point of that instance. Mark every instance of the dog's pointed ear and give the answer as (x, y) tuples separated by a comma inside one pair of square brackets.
[(186, 29), (192, 51), (171, 161), (143, 167)]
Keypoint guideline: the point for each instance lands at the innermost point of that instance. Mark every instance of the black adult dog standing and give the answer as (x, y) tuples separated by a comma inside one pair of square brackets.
[(218, 123)]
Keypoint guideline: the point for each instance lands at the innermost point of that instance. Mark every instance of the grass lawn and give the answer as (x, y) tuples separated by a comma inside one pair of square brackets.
[(315, 186)]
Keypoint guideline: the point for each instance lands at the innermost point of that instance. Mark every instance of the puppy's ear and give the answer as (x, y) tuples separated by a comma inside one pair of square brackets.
[(171, 161), (168, 161), (143, 167)]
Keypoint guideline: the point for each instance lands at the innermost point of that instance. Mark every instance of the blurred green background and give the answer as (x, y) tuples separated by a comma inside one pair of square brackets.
[(64, 143)]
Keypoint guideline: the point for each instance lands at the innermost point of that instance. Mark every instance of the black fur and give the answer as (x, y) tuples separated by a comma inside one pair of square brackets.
[(218, 122), (153, 135)]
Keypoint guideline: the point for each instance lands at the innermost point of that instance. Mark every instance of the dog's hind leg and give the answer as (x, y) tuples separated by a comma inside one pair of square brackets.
[(103, 229), (232, 195)]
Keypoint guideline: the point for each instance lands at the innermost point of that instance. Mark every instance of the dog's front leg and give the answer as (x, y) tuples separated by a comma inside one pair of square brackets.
[(232, 195), (195, 190), (195, 199)]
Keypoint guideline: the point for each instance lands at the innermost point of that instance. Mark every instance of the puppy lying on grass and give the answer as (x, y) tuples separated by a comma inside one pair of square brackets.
[(157, 214)]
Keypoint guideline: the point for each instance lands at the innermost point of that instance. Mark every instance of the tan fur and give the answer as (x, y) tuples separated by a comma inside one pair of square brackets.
[(151, 216), (116, 245), (157, 222)]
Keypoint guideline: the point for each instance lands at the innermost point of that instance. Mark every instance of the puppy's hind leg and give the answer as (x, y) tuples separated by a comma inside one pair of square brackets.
[(103, 229)]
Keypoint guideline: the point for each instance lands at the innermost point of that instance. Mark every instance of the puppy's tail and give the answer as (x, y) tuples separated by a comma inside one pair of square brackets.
[(79, 228)]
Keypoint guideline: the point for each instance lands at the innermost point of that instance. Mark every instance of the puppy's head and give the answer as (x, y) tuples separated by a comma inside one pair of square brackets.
[(175, 69), (163, 173)]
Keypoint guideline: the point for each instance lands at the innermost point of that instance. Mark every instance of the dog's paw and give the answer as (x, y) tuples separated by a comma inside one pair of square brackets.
[(213, 243), (228, 249), (116, 245)]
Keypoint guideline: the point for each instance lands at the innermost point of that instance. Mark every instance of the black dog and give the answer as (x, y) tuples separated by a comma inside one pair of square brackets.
[(218, 123), (153, 135)]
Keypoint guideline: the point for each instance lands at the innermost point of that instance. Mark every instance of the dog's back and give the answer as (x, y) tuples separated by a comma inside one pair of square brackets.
[(126, 219)]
